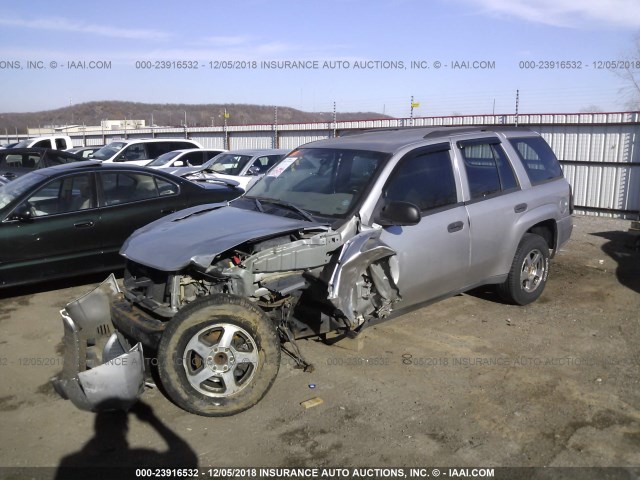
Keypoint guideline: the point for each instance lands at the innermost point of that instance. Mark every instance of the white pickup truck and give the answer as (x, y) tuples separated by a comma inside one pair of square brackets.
[(56, 142)]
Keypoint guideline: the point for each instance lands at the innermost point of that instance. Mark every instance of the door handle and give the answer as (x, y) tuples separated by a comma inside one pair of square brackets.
[(521, 207), (87, 224), (455, 227)]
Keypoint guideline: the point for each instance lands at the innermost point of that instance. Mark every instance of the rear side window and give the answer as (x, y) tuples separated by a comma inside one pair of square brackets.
[(538, 159), (266, 162), (160, 147), (42, 144), (122, 187), (193, 159), (424, 179), (488, 169)]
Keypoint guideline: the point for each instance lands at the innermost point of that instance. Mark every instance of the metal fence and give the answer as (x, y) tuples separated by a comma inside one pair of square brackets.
[(598, 151)]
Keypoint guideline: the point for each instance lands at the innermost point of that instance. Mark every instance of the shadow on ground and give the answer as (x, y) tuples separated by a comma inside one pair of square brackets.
[(108, 454), (620, 247)]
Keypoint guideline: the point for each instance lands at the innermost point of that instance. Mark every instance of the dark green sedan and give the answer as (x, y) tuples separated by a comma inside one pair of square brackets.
[(72, 219)]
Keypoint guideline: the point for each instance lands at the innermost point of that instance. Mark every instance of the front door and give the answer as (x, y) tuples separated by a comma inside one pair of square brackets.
[(60, 239), (432, 256)]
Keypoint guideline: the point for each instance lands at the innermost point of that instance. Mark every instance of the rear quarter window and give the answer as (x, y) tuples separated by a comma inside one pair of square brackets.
[(538, 159)]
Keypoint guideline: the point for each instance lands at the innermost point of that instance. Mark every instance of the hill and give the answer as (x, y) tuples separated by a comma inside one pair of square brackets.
[(167, 114)]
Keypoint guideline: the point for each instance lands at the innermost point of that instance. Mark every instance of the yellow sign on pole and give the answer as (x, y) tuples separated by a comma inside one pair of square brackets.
[(415, 104)]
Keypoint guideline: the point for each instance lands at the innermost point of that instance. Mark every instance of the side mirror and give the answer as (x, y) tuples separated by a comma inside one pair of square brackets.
[(23, 213), (178, 163), (120, 158), (253, 170), (398, 214)]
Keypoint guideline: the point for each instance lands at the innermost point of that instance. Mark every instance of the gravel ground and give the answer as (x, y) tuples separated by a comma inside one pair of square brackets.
[(468, 381)]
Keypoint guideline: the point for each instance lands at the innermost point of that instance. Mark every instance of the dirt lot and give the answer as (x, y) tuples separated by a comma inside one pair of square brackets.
[(469, 381)]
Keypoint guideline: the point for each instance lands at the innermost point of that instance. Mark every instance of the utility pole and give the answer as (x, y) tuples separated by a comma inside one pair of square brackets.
[(517, 105), (335, 120), (275, 127), (185, 125), (413, 105), (226, 132), (411, 115)]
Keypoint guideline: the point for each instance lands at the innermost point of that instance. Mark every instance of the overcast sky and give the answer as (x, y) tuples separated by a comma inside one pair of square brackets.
[(502, 33)]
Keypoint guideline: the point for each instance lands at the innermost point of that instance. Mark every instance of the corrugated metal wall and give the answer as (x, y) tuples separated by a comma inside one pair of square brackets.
[(599, 152)]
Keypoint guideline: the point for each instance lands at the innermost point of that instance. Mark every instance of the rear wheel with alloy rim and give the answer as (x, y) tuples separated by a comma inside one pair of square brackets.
[(528, 273)]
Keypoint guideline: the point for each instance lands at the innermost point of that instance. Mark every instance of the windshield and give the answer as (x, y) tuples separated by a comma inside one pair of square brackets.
[(229, 163), (108, 151), (12, 190), (163, 159), (325, 182)]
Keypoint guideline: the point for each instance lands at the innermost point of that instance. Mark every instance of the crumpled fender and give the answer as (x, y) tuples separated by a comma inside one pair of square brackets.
[(357, 255), (100, 371)]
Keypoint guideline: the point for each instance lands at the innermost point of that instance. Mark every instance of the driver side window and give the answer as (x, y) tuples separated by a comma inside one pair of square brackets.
[(424, 179), (64, 195)]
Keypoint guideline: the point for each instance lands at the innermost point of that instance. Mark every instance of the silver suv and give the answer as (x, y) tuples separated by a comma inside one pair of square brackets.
[(343, 233)]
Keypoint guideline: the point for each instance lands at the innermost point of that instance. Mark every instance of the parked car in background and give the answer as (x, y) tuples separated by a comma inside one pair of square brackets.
[(141, 150), (180, 162), (341, 234), (85, 152), (56, 142), (244, 166), (72, 219), (18, 161)]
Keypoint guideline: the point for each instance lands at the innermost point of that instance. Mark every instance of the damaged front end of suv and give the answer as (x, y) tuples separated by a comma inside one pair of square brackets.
[(215, 291)]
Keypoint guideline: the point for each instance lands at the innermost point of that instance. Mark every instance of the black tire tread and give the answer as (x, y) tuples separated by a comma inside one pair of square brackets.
[(510, 290)]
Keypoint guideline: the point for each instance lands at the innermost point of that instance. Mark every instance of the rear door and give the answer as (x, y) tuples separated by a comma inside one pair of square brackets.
[(129, 200), (432, 256), (494, 202)]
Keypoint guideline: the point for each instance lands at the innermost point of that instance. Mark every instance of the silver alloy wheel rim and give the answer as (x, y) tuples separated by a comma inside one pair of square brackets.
[(532, 271), (224, 366)]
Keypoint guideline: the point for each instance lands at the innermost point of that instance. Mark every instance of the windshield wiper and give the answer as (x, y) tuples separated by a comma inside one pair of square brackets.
[(258, 204), (306, 215)]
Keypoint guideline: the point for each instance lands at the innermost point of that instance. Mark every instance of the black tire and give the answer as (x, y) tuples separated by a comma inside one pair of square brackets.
[(517, 289), (202, 325)]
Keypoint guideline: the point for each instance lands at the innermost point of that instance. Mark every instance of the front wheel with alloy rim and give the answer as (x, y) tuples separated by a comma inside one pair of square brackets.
[(218, 356), (529, 270)]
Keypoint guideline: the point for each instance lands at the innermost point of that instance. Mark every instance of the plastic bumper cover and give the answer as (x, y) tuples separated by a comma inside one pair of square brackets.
[(101, 371)]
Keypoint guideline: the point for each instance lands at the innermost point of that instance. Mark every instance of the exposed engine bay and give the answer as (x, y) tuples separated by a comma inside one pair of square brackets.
[(308, 281)]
